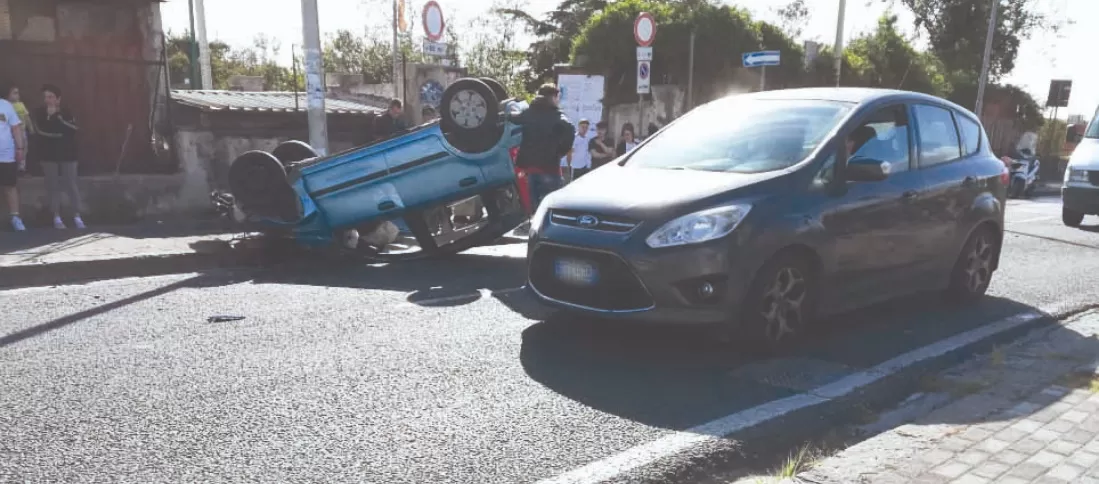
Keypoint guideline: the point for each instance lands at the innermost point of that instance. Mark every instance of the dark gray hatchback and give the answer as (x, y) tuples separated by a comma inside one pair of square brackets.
[(765, 210)]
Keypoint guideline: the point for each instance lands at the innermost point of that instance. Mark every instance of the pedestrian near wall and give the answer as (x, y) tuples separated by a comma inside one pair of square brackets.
[(547, 137), (56, 132), (13, 161)]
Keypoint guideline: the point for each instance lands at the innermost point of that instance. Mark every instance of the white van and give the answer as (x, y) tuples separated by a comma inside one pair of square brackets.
[(1080, 191)]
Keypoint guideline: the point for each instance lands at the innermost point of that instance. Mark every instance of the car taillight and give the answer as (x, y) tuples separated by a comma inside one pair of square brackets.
[(514, 152), (1005, 177)]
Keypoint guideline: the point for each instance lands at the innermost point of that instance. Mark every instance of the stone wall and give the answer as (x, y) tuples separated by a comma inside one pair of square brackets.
[(666, 104)]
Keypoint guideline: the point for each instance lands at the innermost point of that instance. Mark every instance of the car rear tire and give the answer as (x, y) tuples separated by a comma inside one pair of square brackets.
[(780, 304), (497, 88), (972, 273), (258, 183), (1071, 218), (293, 151), (469, 115)]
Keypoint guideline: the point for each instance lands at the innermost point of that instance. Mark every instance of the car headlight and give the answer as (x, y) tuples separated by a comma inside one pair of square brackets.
[(1076, 175), (699, 227), (539, 216)]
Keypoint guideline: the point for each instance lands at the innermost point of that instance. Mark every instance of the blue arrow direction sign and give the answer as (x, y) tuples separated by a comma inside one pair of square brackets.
[(761, 58)]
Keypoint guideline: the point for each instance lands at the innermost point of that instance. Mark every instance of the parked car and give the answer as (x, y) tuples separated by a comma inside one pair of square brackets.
[(1080, 191), (761, 212), (451, 180)]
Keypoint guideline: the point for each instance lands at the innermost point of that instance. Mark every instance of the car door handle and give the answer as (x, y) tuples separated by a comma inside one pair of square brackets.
[(387, 205), (466, 182), (910, 195), (969, 181)]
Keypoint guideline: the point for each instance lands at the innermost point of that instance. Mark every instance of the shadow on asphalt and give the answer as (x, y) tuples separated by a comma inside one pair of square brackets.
[(678, 377), (198, 281)]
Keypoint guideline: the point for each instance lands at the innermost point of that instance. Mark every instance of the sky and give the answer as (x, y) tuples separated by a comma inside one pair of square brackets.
[(1044, 57)]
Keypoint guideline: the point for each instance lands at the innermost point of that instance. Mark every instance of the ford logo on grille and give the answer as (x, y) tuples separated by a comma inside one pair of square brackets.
[(587, 221)]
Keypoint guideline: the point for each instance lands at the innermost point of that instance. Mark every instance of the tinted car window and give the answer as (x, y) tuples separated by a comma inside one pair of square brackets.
[(889, 140), (742, 135), (971, 135), (938, 139)]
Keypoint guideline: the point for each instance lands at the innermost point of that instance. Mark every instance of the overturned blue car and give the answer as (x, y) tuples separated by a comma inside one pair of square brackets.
[(451, 182)]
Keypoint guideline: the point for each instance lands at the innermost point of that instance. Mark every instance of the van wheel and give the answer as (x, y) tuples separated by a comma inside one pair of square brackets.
[(780, 304), (1071, 218), (469, 114), (972, 273)]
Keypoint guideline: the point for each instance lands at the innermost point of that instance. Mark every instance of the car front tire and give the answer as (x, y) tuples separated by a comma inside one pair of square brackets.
[(470, 113), (780, 304), (1071, 217)]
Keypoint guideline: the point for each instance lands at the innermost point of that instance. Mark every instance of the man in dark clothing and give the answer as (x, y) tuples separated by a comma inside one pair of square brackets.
[(547, 137), (601, 147), (391, 122)]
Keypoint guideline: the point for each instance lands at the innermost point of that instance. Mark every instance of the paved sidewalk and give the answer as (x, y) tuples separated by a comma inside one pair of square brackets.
[(1027, 413)]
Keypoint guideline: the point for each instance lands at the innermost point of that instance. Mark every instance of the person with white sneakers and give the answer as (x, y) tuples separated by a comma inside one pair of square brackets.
[(13, 152), (56, 130)]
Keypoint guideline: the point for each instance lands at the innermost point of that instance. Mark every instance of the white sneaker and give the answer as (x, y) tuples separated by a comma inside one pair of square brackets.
[(17, 223), (58, 224), (79, 223)]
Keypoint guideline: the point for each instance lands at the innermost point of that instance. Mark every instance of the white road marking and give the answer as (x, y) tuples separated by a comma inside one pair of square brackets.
[(679, 441)]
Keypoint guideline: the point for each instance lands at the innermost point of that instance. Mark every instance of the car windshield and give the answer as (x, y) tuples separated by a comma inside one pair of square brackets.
[(1093, 128), (742, 135)]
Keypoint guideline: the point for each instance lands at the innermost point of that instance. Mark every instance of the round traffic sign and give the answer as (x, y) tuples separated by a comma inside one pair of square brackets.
[(643, 69), (434, 24), (644, 29)]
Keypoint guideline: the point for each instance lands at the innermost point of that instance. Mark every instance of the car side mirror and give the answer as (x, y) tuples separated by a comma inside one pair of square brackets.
[(861, 169)]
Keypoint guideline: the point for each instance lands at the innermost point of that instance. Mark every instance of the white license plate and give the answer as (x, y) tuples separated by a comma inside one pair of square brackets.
[(576, 272)]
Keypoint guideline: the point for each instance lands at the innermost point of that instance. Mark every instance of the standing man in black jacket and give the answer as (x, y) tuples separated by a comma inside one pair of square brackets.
[(547, 137)]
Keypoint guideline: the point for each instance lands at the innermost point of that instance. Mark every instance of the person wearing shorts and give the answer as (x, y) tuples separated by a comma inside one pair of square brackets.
[(13, 151)]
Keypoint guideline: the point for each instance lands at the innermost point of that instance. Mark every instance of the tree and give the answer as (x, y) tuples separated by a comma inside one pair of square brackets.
[(793, 17), (494, 52), (260, 59), (345, 52), (884, 58), (554, 34), (957, 29)]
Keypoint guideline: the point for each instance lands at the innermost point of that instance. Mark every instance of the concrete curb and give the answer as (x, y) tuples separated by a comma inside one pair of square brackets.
[(723, 443), (80, 271)]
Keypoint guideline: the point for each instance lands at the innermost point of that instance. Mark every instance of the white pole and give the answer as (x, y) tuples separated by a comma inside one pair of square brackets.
[(207, 75), (995, 5), (398, 86), (314, 77), (838, 50), (691, 73)]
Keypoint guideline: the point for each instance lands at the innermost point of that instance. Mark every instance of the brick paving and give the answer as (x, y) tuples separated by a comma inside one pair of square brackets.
[(1027, 413)]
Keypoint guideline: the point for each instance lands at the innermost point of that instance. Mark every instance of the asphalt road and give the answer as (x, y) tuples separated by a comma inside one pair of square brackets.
[(432, 371)]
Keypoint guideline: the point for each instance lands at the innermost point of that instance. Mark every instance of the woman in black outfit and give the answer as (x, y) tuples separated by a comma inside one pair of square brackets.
[(627, 140), (56, 149)]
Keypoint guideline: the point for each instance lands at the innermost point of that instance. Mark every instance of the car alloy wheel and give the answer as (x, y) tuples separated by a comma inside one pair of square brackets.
[(978, 264), (469, 109), (783, 303)]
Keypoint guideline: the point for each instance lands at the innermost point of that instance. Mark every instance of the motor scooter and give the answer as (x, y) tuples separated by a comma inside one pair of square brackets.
[(1023, 173)]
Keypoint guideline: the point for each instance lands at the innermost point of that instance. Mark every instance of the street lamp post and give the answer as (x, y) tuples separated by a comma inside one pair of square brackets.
[(995, 5), (314, 77), (838, 50)]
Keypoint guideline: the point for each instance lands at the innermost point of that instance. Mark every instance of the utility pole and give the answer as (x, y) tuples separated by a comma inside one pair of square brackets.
[(207, 75), (398, 86), (194, 80), (995, 5), (314, 77), (838, 50), (691, 73)]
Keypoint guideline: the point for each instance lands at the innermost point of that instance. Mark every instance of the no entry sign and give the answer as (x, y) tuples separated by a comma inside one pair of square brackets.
[(434, 24), (644, 29)]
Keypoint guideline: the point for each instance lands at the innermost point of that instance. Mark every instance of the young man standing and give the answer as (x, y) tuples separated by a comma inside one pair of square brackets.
[(547, 137), (391, 122), (601, 147), (12, 159), (579, 158)]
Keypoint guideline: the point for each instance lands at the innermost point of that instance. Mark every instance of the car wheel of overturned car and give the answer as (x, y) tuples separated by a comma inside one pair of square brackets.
[(258, 183), (469, 115), (497, 88), (1071, 218), (780, 303), (972, 273), (293, 151)]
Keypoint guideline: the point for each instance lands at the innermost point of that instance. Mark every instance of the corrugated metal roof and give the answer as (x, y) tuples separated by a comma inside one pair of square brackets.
[(264, 101)]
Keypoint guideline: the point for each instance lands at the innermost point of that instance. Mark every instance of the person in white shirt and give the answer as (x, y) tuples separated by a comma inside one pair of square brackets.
[(12, 158), (579, 159)]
